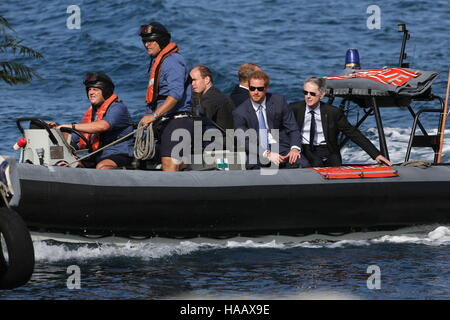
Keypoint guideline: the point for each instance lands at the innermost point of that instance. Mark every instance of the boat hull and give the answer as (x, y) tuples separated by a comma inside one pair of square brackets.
[(226, 203)]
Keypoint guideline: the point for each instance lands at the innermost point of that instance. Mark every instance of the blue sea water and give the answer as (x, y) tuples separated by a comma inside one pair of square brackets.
[(291, 40)]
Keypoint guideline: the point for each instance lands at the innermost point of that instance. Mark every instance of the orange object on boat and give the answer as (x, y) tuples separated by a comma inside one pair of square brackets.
[(353, 172)]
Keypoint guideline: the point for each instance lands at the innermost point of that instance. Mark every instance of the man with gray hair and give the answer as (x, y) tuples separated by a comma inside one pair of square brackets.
[(320, 124)]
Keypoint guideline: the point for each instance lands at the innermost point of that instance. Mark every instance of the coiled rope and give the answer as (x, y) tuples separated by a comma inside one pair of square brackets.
[(144, 143), (144, 146)]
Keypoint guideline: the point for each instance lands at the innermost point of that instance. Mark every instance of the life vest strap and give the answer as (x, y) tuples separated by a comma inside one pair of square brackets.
[(153, 83), (88, 117)]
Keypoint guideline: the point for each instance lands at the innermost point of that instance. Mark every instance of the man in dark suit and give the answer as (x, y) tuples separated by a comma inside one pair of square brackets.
[(263, 113), (320, 124), (215, 105), (240, 91)]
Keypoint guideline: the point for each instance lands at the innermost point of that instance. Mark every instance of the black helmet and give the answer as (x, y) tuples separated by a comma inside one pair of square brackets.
[(155, 31), (99, 80)]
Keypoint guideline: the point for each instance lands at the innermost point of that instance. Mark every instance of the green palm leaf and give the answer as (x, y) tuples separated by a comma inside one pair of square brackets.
[(14, 72), (9, 44)]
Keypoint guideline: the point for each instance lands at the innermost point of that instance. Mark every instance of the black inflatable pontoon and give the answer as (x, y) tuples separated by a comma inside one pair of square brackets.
[(224, 203)]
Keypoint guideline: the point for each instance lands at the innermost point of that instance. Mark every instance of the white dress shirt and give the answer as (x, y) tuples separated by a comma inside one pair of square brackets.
[(319, 138), (271, 139), (256, 107)]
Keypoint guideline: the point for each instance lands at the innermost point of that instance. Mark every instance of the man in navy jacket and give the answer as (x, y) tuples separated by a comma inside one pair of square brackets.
[(264, 113), (240, 91)]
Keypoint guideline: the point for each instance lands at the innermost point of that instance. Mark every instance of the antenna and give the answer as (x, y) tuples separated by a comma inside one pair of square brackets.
[(406, 37)]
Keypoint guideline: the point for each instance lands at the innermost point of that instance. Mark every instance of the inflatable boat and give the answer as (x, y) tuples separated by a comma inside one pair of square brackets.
[(221, 200), (226, 201)]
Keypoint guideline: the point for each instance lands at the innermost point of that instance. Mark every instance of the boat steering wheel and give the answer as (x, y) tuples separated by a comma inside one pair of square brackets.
[(80, 135), (38, 123)]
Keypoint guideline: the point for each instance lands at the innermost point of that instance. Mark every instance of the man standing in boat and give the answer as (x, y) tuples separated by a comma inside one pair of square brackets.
[(240, 91), (105, 121), (215, 105), (169, 92), (263, 113), (320, 124)]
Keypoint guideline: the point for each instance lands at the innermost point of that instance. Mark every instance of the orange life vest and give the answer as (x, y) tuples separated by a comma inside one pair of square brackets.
[(87, 118), (153, 83)]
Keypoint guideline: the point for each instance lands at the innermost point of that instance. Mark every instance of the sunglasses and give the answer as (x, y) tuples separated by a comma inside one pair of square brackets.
[(313, 94), (260, 89), (145, 40)]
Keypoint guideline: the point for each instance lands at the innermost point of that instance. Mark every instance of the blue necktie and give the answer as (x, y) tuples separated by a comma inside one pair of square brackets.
[(263, 136), (312, 130)]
